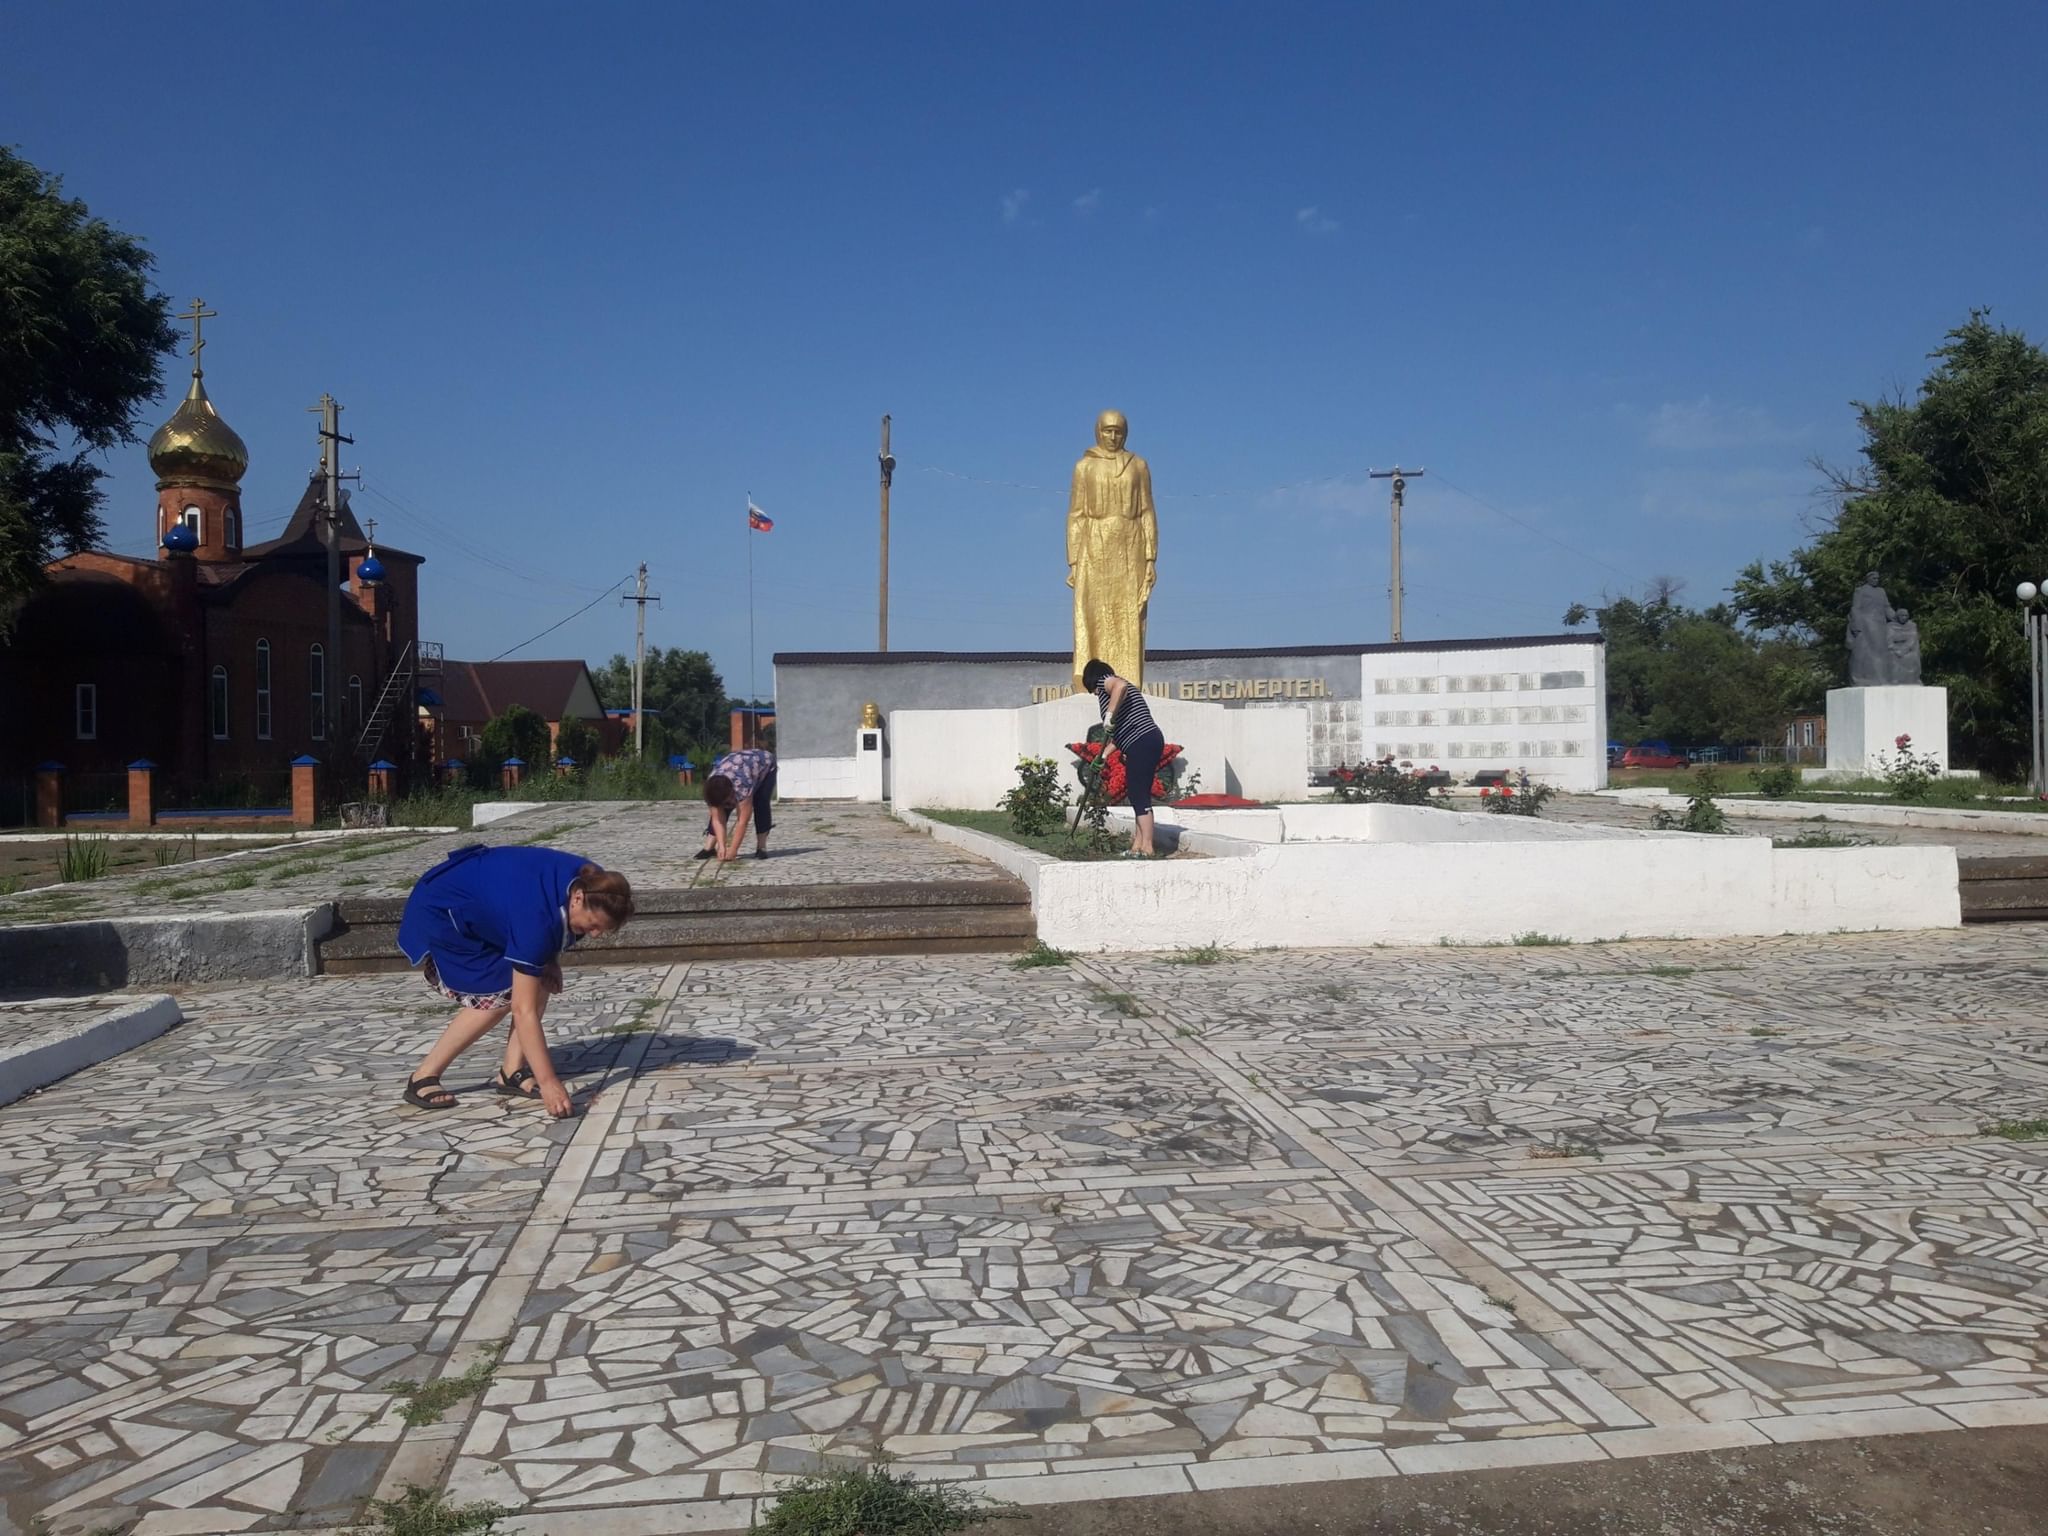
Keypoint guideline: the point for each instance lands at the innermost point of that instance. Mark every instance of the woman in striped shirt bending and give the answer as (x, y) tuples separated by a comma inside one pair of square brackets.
[(1139, 740)]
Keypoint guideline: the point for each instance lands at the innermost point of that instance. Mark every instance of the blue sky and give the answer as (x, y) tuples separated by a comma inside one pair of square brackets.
[(585, 277)]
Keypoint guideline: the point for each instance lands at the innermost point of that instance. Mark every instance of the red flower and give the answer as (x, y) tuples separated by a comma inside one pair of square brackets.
[(1903, 742)]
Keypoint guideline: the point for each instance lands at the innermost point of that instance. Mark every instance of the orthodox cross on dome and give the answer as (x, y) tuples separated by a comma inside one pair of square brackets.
[(371, 525), (197, 314)]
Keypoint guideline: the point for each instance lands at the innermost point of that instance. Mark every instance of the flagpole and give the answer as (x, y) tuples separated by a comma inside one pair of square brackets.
[(750, 617)]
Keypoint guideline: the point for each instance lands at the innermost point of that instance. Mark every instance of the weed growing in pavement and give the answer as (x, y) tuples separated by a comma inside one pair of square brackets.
[(240, 882), (874, 1501), (2018, 1130), (423, 1512), (10, 885), (1820, 837), (426, 1402), (1762, 1030), (1534, 940), (1334, 991), (1205, 954), (1568, 1149), (639, 1015), (1122, 1002), (1040, 953)]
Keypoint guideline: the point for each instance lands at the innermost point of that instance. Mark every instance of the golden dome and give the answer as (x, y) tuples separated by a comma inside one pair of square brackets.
[(195, 447)]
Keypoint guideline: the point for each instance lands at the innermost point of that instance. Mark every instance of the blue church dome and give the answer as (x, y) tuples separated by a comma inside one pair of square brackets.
[(371, 570), (180, 539)]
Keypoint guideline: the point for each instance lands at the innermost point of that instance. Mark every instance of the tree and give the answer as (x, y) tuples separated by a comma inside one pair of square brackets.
[(82, 339), (681, 687), (1950, 508), (578, 739), (518, 732), (1696, 677)]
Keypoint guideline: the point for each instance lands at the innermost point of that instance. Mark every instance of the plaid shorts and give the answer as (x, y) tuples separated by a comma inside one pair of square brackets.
[(431, 973)]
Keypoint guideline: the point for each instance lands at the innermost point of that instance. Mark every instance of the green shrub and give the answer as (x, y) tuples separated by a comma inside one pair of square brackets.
[(1775, 781), (83, 858), (1038, 803), (1384, 782), (1703, 812)]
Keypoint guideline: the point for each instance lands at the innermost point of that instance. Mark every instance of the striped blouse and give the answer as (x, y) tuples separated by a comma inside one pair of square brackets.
[(1133, 722)]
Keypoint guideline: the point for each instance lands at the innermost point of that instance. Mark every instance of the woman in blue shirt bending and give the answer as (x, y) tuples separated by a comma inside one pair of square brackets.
[(488, 926)]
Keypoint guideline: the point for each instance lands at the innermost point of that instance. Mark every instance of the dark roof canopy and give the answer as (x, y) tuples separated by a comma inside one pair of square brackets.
[(483, 690), (302, 531)]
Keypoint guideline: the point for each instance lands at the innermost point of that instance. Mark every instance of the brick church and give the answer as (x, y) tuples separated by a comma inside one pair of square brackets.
[(211, 657)]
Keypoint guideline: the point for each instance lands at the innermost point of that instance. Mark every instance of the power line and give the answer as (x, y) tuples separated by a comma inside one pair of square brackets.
[(1569, 549), (607, 592)]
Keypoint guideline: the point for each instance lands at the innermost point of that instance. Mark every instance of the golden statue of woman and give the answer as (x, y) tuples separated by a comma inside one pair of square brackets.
[(1112, 551)]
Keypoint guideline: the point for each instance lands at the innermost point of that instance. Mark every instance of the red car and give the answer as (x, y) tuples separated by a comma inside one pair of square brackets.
[(1652, 754)]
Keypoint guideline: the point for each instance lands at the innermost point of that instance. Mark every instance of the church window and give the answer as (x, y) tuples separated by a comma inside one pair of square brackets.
[(234, 528), (219, 703), (316, 673), (355, 701), (263, 690), (88, 711), (191, 520)]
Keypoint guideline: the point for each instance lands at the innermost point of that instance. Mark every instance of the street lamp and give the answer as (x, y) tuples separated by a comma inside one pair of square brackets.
[(2035, 622)]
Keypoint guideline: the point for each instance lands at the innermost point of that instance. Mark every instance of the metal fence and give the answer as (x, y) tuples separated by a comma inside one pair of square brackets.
[(95, 794), (265, 789)]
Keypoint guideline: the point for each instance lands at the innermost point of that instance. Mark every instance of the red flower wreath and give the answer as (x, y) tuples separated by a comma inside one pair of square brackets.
[(1114, 781)]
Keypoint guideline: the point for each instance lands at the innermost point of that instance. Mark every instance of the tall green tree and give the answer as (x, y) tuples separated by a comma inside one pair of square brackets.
[(1950, 507), (680, 687), (578, 739), (1697, 677), (82, 342)]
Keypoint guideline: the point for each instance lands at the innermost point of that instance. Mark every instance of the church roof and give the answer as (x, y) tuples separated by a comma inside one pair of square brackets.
[(483, 690), (301, 534)]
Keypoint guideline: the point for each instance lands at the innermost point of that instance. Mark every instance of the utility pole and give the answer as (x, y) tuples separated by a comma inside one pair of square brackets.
[(640, 599), (1400, 477), (330, 534), (888, 462)]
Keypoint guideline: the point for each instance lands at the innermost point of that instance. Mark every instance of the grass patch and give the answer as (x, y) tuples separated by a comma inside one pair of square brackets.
[(1534, 940), (1334, 991), (1204, 954), (84, 858), (2018, 1130), (872, 1501), (10, 885), (1039, 954), (1822, 837), (425, 1402), (423, 1512), (1122, 1002), (1057, 844), (1764, 1031), (1568, 1149), (238, 882), (283, 872)]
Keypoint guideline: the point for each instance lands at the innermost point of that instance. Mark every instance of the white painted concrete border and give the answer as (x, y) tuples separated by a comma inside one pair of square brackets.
[(1450, 877), (485, 812), (130, 1022)]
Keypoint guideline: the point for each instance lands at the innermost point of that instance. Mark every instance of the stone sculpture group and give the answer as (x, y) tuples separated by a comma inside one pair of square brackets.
[(1884, 642)]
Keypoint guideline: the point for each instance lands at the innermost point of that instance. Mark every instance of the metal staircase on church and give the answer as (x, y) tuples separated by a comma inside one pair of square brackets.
[(415, 664)]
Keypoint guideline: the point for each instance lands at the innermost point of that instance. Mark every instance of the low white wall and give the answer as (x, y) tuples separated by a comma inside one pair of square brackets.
[(497, 810), (1375, 823), (816, 778), (1856, 813), (1348, 894), (1266, 752)]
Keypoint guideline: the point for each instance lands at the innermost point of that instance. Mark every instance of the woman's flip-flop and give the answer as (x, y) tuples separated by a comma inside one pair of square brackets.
[(427, 1093), (520, 1085)]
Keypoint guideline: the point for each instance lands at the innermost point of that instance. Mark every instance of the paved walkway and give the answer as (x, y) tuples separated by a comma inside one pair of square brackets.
[(654, 843), (1119, 1228)]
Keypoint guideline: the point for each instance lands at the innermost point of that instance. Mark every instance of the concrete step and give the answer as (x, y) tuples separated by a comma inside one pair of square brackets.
[(736, 922), (2003, 889)]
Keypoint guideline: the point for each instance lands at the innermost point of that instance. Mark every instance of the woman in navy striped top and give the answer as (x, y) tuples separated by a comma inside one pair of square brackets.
[(1139, 740)]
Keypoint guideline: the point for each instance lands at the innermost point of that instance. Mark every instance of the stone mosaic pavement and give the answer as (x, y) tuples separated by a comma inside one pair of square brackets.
[(1122, 1227), (653, 843)]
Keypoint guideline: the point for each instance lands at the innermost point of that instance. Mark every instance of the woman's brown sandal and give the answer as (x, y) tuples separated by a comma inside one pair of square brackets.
[(427, 1093), (520, 1085)]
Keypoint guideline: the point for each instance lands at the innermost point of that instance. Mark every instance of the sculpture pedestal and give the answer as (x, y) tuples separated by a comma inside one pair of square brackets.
[(869, 776), (1866, 722)]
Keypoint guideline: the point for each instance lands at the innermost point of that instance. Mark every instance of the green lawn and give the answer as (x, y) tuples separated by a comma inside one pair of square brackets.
[(997, 824)]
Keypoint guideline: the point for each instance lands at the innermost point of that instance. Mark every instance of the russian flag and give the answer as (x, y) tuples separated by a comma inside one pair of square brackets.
[(759, 521)]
